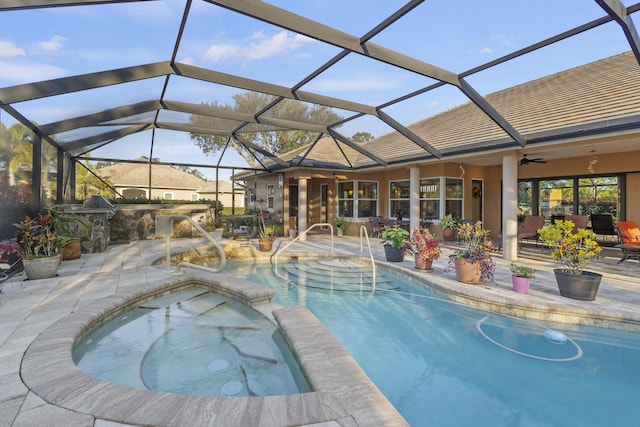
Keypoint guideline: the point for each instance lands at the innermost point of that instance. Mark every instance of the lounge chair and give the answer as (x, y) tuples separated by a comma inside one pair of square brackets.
[(377, 226), (579, 221), (530, 227), (629, 240), (602, 225)]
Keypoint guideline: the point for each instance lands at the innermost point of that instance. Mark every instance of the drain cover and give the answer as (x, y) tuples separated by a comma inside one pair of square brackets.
[(231, 388)]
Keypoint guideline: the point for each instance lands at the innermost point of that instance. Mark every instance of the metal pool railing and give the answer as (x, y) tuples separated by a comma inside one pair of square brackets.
[(165, 224)]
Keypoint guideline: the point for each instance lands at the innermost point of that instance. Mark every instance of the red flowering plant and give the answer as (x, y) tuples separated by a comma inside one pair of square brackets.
[(424, 244), (8, 250), (37, 238)]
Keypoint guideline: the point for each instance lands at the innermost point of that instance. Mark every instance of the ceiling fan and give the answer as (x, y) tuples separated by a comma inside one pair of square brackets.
[(525, 160)]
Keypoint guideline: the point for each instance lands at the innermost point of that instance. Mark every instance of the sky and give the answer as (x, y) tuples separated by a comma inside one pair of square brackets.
[(455, 35)]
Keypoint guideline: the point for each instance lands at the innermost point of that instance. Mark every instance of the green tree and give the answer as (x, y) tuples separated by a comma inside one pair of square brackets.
[(15, 152), (88, 184), (362, 137), (275, 141)]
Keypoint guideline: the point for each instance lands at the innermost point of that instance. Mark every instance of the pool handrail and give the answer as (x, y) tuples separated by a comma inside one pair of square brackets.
[(205, 234), (302, 233), (364, 232)]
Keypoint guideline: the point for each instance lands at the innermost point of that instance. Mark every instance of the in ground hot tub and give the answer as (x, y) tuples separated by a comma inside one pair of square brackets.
[(195, 342)]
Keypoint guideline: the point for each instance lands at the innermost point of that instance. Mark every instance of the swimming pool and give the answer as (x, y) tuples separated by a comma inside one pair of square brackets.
[(440, 363)]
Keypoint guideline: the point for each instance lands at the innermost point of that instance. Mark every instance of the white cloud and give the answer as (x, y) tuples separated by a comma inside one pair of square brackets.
[(52, 45), (8, 49), (486, 50), (260, 47), (503, 39), (27, 72)]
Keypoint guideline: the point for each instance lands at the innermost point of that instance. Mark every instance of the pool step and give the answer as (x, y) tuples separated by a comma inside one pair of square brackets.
[(335, 274)]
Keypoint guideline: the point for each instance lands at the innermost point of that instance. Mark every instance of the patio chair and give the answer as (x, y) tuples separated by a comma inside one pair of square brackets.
[(555, 218), (602, 225), (377, 226), (630, 240), (579, 221), (530, 227)]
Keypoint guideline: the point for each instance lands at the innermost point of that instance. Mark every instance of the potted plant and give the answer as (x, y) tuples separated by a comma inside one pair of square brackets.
[(341, 224), (394, 239), (574, 250), (39, 246), (425, 246), (448, 224), (266, 232), (474, 263), (521, 277), (72, 228)]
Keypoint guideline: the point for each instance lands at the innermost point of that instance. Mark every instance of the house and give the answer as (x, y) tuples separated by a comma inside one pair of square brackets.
[(587, 154), (131, 180)]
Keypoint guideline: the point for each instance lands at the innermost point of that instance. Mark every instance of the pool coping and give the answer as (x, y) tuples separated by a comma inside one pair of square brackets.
[(342, 392)]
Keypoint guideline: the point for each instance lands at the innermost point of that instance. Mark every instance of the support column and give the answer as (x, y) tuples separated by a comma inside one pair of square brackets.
[(510, 207), (36, 176), (302, 207), (414, 198)]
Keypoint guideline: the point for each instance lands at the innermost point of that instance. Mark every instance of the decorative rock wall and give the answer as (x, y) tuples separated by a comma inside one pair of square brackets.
[(138, 222)]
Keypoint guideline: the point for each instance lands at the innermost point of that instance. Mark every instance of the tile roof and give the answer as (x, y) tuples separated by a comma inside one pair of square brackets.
[(600, 90)]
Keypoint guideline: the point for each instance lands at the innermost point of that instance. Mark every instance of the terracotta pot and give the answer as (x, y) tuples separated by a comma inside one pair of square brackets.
[(72, 250), (423, 264), (41, 268), (467, 272), (447, 232), (265, 245), (583, 286), (520, 284)]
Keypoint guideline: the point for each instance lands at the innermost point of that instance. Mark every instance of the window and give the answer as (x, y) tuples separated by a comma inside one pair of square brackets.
[(367, 199), (584, 195), (399, 192), (453, 197), (167, 196), (194, 197), (598, 195), (525, 198), (361, 203), (345, 199), (430, 198), (252, 197), (270, 193), (556, 197)]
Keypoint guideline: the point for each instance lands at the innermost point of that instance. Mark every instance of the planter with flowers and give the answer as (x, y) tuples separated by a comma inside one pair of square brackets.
[(425, 246), (574, 250), (39, 246), (473, 264), (521, 277)]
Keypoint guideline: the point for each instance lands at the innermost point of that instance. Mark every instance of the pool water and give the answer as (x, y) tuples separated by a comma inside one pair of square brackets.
[(192, 342), (443, 364)]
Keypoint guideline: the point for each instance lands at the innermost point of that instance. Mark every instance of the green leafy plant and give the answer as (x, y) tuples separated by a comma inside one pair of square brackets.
[(341, 222), (394, 236), (574, 250), (478, 249), (523, 271), (448, 221)]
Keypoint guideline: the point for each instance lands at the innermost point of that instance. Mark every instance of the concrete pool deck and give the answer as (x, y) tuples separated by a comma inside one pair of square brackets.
[(29, 308)]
